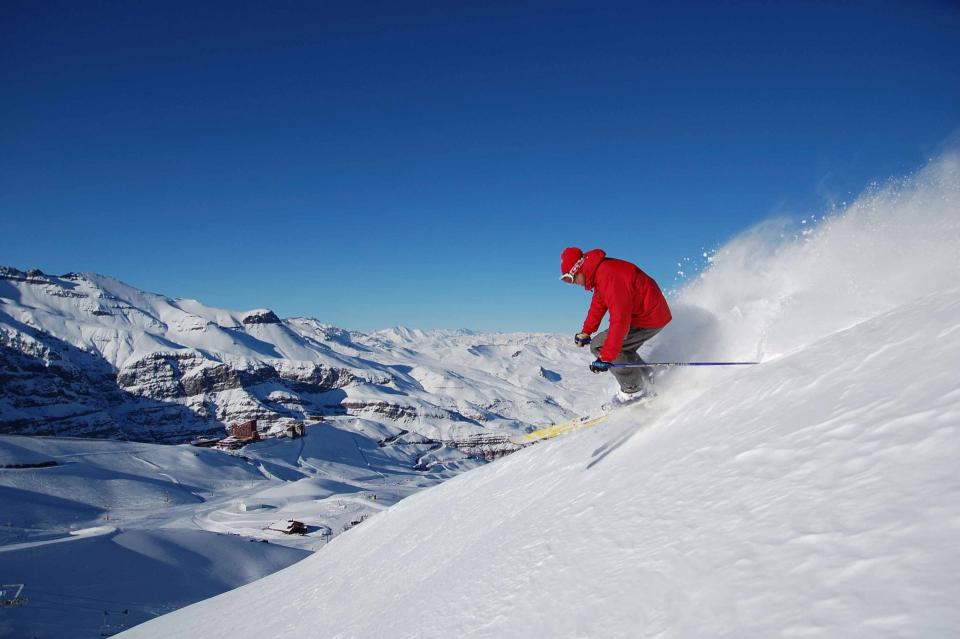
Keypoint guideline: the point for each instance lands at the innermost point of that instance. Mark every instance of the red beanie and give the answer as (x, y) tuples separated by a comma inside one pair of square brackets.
[(569, 258)]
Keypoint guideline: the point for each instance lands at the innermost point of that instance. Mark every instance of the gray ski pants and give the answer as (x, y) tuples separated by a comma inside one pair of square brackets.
[(631, 380)]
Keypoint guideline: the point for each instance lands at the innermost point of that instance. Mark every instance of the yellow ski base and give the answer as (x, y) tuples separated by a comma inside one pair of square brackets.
[(549, 432)]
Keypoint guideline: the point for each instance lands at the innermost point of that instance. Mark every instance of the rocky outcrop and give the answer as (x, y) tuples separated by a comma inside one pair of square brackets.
[(395, 412), (158, 375), (263, 316), (182, 375), (34, 275), (484, 446), (163, 396), (48, 387), (316, 378), (43, 391), (229, 392)]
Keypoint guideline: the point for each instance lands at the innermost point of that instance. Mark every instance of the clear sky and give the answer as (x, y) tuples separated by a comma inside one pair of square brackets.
[(424, 163)]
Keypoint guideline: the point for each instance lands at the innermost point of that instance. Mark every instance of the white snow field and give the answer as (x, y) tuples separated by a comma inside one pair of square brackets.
[(94, 526), (120, 528), (815, 495)]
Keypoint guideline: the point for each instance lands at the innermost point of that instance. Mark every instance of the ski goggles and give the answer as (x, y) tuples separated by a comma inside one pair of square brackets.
[(568, 276)]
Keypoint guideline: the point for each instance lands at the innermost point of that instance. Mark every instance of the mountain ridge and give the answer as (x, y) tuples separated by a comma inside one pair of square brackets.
[(223, 366)]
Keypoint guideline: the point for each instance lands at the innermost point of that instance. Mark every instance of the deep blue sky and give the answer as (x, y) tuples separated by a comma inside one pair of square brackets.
[(373, 164)]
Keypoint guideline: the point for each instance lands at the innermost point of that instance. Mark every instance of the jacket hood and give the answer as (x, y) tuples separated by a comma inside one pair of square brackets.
[(591, 260)]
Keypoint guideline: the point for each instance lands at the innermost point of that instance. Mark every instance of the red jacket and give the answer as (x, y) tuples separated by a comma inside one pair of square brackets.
[(632, 297)]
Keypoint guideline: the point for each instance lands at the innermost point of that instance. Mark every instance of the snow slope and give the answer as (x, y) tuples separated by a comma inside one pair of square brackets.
[(93, 525), (818, 495), (131, 575), (98, 531), (814, 495)]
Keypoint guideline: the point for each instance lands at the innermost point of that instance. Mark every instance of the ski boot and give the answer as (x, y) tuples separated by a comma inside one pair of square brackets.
[(622, 399)]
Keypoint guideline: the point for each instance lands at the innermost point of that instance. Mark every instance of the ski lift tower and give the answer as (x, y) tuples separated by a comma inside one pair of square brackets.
[(113, 625), (10, 595)]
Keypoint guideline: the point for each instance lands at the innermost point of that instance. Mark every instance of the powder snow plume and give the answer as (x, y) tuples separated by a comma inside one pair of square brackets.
[(770, 291)]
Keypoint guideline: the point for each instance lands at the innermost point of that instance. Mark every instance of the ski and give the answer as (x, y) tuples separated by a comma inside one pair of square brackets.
[(549, 432), (579, 423)]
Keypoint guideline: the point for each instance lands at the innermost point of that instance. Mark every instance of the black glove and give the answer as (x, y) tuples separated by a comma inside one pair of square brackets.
[(581, 339), (599, 366)]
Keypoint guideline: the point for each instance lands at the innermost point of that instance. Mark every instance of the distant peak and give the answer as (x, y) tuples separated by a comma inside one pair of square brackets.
[(32, 275), (261, 316)]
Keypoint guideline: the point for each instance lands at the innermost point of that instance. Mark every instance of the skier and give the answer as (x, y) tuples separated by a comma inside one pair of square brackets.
[(638, 311)]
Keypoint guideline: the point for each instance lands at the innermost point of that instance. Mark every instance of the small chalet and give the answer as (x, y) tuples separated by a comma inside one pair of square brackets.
[(295, 527), (295, 430)]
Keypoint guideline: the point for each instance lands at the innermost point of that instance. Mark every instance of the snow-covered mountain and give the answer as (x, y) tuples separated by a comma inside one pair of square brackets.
[(132, 529), (87, 355), (813, 495)]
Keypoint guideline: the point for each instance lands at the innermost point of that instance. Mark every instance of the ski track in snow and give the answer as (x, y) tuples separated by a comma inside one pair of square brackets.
[(74, 536)]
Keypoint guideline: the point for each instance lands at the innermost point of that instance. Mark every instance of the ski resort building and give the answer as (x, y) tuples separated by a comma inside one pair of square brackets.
[(245, 431)]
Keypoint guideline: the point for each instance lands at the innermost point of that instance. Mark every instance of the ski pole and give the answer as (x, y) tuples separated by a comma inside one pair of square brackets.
[(652, 364)]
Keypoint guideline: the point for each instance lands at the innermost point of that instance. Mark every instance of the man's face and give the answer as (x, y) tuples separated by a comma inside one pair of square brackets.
[(580, 280)]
